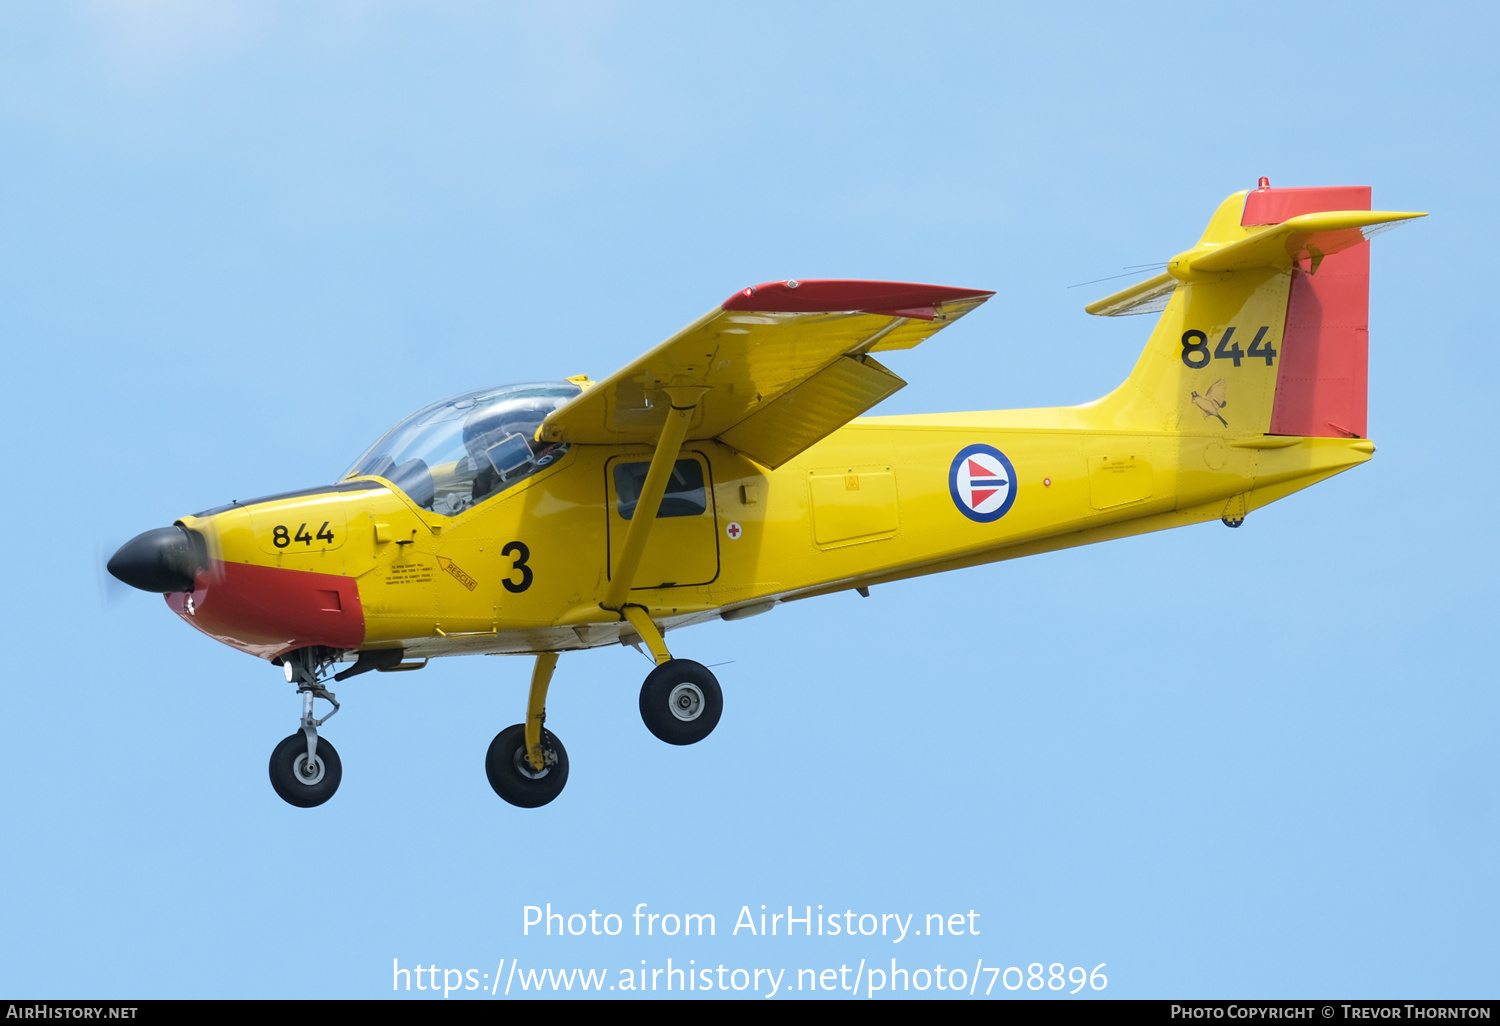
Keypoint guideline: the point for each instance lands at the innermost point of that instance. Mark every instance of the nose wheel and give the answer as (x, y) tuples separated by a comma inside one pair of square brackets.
[(302, 780)]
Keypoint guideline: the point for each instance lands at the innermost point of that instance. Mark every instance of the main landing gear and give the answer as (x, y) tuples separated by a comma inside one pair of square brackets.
[(527, 765), (305, 769), (680, 703)]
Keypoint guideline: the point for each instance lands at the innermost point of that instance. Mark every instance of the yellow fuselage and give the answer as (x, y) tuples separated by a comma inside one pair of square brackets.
[(524, 571)]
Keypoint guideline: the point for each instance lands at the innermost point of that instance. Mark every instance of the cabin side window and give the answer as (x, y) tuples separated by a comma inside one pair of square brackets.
[(685, 495)]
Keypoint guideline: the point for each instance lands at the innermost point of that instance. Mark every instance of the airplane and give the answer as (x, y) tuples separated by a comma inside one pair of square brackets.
[(730, 470)]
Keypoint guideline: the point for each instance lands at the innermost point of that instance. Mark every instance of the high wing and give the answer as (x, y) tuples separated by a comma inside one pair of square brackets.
[(779, 365)]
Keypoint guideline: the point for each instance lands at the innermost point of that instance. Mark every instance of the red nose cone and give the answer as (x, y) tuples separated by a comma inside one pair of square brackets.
[(266, 610)]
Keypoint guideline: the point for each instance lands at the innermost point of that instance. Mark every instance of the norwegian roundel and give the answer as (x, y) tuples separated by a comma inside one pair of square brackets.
[(983, 483)]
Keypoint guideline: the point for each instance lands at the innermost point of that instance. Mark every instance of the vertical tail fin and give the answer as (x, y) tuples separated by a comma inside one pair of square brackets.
[(1264, 325), (1321, 386)]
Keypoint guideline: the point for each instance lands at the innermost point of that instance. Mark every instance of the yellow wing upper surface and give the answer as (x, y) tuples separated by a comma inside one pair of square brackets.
[(782, 365)]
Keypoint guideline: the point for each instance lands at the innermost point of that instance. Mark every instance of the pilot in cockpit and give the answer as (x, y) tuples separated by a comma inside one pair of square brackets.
[(451, 455), (501, 440)]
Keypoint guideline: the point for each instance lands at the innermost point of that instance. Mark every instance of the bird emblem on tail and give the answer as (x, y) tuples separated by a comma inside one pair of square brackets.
[(1212, 401)]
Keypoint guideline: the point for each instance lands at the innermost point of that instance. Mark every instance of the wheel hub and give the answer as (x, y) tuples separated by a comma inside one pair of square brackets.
[(524, 767), (686, 702), (305, 773)]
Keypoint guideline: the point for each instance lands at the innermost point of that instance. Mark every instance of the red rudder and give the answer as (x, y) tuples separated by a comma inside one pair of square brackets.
[(1321, 380)]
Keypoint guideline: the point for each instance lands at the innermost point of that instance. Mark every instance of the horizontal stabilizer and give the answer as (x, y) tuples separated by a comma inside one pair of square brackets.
[(1303, 240), (1309, 237), (1149, 296)]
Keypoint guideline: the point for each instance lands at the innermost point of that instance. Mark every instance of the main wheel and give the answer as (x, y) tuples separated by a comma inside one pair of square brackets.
[(511, 774), (299, 783), (681, 702)]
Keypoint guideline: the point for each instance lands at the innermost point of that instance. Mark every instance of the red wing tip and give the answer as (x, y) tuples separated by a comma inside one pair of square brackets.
[(896, 298)]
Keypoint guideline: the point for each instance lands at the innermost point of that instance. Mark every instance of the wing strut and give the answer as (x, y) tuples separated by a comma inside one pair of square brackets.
[(684, 400)]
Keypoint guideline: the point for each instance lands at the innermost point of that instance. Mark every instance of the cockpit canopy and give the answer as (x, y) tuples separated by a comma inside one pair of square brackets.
[(458, 452)]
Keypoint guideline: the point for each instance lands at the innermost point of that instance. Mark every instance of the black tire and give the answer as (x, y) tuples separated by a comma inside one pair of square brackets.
[(287, 762), (681, 702), (511, 774)]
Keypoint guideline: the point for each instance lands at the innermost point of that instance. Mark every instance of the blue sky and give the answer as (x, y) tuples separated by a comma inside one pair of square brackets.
[(238, 241)]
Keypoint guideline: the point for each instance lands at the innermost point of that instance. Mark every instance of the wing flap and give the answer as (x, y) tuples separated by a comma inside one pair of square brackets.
[(810, 411)]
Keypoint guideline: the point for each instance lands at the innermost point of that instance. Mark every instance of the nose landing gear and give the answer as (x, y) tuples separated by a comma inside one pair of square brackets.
[(305, 769)]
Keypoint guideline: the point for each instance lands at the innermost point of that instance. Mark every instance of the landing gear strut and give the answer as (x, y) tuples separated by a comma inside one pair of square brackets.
[(680, 701), (527, 765), (305, 769)]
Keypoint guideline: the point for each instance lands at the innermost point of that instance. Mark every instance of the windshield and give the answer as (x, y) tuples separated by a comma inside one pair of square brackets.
[(460, 451)]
